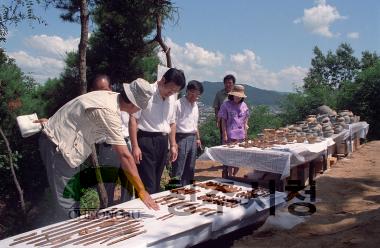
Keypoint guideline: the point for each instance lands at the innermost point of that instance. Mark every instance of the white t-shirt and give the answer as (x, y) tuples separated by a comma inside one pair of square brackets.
[(159, 113), (187, 115), (125, 123)]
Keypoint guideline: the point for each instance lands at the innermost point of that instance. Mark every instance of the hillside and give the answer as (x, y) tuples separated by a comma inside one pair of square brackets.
[(255, 95)]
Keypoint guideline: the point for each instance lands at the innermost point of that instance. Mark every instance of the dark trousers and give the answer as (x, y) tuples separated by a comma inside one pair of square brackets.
[(183, 168), (154, 149)]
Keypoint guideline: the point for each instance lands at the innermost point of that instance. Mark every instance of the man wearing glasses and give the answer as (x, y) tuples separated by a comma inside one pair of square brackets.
[(187, 134)]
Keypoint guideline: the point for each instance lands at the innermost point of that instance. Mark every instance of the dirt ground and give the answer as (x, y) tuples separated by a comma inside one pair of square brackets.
[(348, 206)]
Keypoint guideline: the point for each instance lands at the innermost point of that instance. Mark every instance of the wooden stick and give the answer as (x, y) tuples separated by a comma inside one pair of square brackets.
[(211, 213), (123, 232), (96, 234), (26, 236), (64, 224), (208, 210), (165, 199), (127, 237), (188, 205), (175, 203), (160, 197), (164, 216), (101, 224), (189, 208), (51, 230), (169, 201), (107, 238)]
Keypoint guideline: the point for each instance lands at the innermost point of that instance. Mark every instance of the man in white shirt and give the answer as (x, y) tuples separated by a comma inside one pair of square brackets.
[(187, 134), (69, 134), (154, 124)]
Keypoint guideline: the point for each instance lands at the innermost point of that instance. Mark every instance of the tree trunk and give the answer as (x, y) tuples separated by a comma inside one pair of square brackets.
[(160, 41), (83, 46), (103, 197), (83, 89), (19, 189)]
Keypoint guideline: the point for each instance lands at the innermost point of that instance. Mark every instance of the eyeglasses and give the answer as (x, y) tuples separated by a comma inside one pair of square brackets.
[(194, 92)]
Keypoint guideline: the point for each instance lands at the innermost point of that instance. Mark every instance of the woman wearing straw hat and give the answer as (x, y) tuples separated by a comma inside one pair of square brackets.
[(234, 114)]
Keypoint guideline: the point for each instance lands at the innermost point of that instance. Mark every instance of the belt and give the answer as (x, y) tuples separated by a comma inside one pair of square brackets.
[(150, 134), (182, 135), (108, 145)]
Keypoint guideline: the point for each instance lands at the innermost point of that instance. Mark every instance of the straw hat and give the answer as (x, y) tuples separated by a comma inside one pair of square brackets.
[(238, 90), (139, 92)]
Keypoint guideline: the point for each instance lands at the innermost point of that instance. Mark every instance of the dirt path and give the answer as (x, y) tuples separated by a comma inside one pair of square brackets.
[(348, 210)]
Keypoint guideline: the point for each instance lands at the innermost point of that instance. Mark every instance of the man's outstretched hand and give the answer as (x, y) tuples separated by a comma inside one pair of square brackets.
[(147, 200)]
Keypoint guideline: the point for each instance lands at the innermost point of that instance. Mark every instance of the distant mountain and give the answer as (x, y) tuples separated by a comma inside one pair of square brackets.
[(255, 96)]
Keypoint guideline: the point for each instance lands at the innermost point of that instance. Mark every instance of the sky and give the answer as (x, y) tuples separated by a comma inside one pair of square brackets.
[(267, 44)]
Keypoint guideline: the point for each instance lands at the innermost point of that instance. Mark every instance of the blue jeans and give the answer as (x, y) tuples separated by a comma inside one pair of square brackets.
[(183, 168)]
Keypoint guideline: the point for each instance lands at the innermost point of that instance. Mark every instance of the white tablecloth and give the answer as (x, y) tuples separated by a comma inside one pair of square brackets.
[(278, 159), (181, 230), (360, 128)]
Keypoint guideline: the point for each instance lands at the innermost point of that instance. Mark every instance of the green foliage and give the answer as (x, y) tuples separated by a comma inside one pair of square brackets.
[(341, 82), (4, 158), (296, 106), (332, 69), (209, 133), (17, 97), (119, 46), (149, 67), (16, 11), (261, 117), (365, 98), (368, 59), (89, 200)]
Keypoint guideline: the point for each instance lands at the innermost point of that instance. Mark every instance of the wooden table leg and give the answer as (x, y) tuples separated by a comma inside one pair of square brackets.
[(324, 168), (225, 171)]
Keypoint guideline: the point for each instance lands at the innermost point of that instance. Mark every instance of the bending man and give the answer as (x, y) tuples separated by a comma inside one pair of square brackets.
[(69, 134)]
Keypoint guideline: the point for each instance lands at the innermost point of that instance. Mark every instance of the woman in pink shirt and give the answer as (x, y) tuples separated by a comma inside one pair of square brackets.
[(234, 114)]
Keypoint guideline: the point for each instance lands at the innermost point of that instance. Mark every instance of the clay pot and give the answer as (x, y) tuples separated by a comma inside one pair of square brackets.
[(298, 129), (316, 129), (347, 119), (290, 137), (284, 129), (301, 139), (269, 131), (324, 125), (328, 134), (311, 120), (325, 120), (312, 139), (333, 118), (341, 119), (327, 128)]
